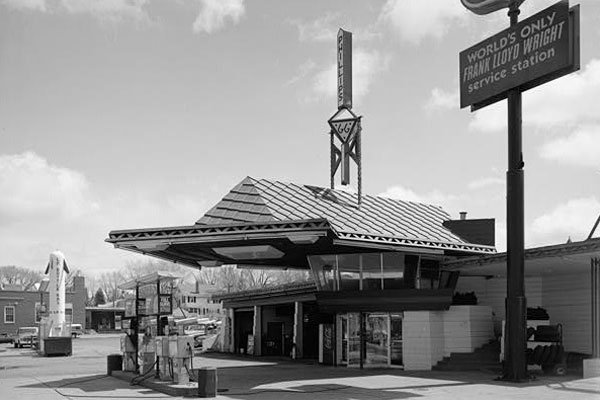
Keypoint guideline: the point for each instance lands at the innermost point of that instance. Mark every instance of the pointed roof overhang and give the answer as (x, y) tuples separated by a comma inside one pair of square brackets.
[(280, 244), (263, 223), (564, 258)]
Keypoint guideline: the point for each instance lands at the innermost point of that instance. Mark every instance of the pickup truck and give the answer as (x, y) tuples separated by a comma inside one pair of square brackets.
[(26, 336)]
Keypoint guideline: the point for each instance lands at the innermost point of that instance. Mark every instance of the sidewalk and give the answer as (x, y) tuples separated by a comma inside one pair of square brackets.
[(26, 376)]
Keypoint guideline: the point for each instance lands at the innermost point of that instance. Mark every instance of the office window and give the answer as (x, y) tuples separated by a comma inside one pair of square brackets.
[(9, 314)]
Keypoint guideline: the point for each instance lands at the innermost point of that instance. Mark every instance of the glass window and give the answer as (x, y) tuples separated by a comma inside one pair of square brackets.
[(411, 265), (393, 270), (429, 273), (349, 267), (371, 263), (324, 269), (9, 314)]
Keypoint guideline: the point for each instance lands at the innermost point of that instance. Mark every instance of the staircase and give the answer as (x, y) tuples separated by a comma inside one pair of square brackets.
[(485, 358)]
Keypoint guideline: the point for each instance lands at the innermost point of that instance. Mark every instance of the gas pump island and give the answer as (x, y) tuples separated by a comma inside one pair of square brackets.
[(153, 345)]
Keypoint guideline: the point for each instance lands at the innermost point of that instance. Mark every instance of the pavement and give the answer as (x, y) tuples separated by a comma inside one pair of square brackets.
[(25, 375)]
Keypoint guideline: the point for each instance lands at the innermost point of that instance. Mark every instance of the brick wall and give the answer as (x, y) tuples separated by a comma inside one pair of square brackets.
[(24, 303)]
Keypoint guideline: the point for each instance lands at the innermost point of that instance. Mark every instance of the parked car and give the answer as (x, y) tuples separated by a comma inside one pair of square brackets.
[(76, 330), (5, 338), (26, 336)]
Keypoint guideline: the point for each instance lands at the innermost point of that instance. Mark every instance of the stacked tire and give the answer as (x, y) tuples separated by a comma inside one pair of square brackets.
[(550, 357)]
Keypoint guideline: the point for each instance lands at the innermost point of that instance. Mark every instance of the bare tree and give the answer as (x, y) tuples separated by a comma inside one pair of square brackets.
[(136, 269), (18, 276), (109, 282)]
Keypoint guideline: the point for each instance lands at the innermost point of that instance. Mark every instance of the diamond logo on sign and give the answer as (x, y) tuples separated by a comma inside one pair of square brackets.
[(344, 123), (344, 127)]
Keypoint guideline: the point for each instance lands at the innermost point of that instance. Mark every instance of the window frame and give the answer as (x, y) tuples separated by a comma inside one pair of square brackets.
[(14, 315)]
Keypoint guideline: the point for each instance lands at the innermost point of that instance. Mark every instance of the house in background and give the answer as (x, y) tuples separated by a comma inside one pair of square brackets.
[(196, 300), (25, 308)]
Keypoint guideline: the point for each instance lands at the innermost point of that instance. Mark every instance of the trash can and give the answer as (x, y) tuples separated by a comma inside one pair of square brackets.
[(207, 381), (114, 362)]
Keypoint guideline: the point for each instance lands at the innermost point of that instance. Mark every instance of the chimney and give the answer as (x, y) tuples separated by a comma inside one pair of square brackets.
[(463, 215)]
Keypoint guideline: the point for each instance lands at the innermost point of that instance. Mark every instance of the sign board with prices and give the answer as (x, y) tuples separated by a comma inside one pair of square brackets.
[(130, 308), (538, 49), (165, 304), (344, 68), (140, 307)]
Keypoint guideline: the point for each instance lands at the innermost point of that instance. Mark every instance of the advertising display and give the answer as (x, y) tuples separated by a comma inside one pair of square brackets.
[(540, 48), (141, 307)]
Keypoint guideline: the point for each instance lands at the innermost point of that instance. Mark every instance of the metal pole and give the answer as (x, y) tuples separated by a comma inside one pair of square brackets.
[(515, 363), (136, 331)]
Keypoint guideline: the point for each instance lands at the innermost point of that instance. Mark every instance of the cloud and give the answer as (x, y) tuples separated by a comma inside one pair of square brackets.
[(214, 14), (33, 188), (440, 99), (574, 219), (485, 182), (44, 207), (303, 70), (112, 11), (415, 20), (29, 5), (366, 66), (581, 148), (565, 102), (435, 197)]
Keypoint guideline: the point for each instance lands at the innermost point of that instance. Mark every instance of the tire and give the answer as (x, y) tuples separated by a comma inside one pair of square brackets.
[(560, 356), (15, 344), (545, 358), (553, 355), (537, 354), (560, 369)]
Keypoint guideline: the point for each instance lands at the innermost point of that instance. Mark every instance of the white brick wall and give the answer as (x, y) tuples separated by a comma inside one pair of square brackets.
[(429, 336)]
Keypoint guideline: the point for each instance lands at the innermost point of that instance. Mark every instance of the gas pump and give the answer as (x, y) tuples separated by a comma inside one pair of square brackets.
[(129, 344), (181, 351), (143, 322)]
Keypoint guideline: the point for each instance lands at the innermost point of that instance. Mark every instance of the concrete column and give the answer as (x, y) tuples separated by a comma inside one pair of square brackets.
[(257, 330), (298, 330), (228, 331)]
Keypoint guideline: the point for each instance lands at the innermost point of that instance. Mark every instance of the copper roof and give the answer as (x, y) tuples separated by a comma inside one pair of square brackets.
[(262, 200), (299, 220)]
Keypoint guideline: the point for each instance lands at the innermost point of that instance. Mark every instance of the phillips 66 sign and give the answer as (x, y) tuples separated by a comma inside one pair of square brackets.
[(344, 69)]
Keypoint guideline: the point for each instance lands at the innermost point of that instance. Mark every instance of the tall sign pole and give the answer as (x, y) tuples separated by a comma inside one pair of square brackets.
[(529, 53), (515, 364), (345, 124)]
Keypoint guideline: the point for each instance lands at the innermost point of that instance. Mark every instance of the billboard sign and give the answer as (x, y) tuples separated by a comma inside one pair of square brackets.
[(344, 69), (540, 48)]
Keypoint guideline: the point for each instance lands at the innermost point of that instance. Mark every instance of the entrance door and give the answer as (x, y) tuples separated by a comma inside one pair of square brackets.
[(396, 339), (274, 342), (377, 331)]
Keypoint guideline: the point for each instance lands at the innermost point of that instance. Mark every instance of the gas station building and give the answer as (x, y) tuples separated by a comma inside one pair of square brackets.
[(377, 265)]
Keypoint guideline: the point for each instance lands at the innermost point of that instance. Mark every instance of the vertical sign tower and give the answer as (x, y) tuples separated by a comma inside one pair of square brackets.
[(541, 48), (345, 124)]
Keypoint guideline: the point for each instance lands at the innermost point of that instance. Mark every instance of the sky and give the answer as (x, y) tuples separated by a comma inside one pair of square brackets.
[(119, 114)]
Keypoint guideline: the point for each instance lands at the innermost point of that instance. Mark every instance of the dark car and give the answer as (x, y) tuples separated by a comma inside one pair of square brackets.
[(5, 338)]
